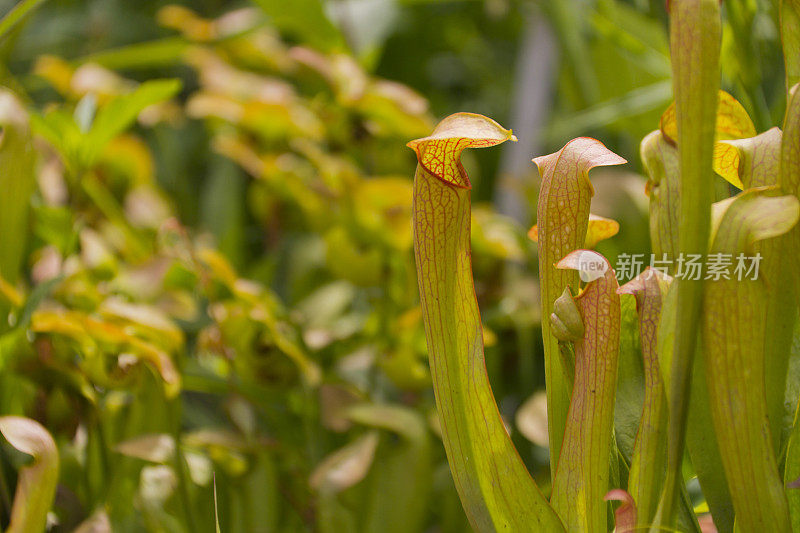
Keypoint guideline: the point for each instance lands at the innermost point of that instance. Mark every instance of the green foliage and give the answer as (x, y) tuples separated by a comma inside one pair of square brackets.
[(715, 360), (211, 305)]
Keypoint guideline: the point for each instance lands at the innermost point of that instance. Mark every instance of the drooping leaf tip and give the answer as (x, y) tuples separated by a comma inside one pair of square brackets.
[(618, 495), (625, 515), (440, 152), (601, 157)]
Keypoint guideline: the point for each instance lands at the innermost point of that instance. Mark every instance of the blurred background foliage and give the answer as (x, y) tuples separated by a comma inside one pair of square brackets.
[(207, 277)]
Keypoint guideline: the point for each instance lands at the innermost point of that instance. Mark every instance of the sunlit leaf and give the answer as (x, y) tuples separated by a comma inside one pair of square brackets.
[(121, 112), (156, 448), (598, 229), (495, 488), (732, 122)]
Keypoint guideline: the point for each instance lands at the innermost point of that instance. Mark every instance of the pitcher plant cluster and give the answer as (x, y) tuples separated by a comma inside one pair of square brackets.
[(713, 349)]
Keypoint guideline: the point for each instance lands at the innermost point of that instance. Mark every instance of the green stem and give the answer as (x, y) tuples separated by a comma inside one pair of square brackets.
[(695, 45)]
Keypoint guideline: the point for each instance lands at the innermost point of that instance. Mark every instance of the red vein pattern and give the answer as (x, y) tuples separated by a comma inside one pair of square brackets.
[(734, 324), (649, 460), (562, 220), (495, 488), (582, 476), (759, 165)]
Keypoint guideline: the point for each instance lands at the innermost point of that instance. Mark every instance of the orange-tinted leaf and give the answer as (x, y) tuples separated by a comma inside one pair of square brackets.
[(625, 515), (440, 153), (599, 229)]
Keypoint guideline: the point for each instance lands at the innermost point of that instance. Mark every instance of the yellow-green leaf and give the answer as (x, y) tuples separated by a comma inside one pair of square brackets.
[(495, 488), (17, 181), (733, 334), (732, 122), (562, 221), (790, 35), (758, 163), (695, 34), (599, 229), (660, 159)]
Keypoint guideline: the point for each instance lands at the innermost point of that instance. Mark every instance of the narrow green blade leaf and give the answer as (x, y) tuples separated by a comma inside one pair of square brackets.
[(495, 488), (400, 477), (121, 112), (792, 472), (701, 440), (790, 171), (694, 45)]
